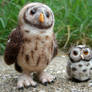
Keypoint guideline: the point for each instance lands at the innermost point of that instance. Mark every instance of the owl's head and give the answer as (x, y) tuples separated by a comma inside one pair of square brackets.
[(80, 52), (37, 15)]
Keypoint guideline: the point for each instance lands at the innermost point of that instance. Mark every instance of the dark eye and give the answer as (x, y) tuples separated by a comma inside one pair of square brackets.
[(75, 53), (85, 52), (47, 14), (33, 11)]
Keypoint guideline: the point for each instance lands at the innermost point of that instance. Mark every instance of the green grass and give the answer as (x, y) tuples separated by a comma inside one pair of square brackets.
[(73, 20)]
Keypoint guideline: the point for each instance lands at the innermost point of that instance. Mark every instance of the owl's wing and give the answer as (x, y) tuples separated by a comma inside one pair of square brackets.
[(15, 40), (55, 47)]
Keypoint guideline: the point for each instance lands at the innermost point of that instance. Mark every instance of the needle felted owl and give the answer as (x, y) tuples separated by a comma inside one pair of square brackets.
[(32, 45), (79, 67)]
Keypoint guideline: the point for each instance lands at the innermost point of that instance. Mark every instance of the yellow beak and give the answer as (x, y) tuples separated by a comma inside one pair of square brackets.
[(41, 18), (82, 56)]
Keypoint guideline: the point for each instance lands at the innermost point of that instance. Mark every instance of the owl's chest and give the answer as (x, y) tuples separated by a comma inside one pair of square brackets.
[(82, 70), (38, 43), (36, 52)]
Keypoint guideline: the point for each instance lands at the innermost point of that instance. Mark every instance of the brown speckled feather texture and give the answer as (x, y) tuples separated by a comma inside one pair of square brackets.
[(13, 46)]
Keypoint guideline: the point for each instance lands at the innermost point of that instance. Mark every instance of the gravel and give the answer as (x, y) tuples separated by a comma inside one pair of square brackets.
[(8, 78)]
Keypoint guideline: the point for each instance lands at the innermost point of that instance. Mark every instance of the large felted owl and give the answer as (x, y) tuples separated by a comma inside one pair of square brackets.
[(31, 45), (79, 67)]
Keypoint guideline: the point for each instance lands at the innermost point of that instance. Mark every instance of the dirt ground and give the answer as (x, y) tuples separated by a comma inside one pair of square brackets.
[(8, 78)]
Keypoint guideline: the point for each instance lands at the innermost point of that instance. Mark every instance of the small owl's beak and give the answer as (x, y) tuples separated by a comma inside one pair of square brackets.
[(82, 56), (41, 18)]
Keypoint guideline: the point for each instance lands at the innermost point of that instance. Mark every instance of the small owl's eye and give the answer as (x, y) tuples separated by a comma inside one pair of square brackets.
[(33, 11), (75, 53), (47, 14), (85, 52)]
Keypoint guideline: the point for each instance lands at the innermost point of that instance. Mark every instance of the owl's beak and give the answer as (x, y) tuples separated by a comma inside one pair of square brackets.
[(82, 56), (41, 18)]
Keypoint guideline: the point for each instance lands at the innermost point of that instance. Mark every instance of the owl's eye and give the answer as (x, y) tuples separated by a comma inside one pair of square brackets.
[(75, 53), (33, 11), (47, 14), (85, 52)]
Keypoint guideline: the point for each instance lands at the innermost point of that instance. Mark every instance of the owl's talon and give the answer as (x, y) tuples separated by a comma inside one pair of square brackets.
[(27, 86), (20, 88), (26, 81), (31, 86), (46, 78), (52, 81), (45, 83), (34, 86)]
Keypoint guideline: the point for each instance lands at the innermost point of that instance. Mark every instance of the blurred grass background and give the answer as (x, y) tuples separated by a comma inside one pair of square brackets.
[(73, 20)]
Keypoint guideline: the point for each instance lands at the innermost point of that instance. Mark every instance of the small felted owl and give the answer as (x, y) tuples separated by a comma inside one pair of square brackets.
[(79, 66), (32, 45)]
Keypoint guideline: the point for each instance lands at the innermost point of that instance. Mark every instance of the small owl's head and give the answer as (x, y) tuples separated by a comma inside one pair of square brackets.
[(80, 52), (37, 15)]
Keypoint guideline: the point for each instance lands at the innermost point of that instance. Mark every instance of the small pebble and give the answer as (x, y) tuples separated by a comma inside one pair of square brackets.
[(90, 85), (42, 91), (63, 56), (75, 90), (58, 71)]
